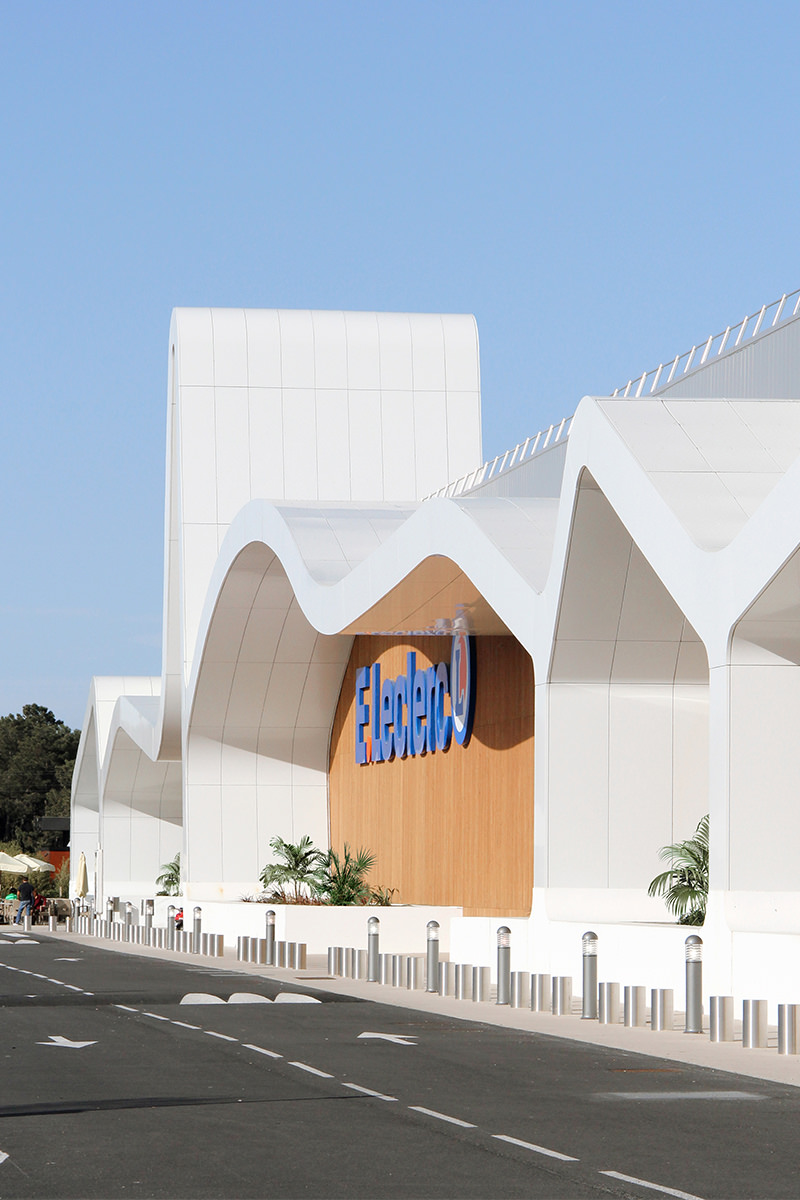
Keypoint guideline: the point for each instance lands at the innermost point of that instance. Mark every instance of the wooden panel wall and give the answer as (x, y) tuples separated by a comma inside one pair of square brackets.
[(453, 827)]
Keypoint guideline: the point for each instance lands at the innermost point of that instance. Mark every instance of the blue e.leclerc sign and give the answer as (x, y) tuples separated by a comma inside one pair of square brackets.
[(405, 716)]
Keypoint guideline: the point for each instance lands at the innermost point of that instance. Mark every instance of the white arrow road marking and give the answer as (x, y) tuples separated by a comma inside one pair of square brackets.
[(3, 1156), (57, 1040), (397, 1038)]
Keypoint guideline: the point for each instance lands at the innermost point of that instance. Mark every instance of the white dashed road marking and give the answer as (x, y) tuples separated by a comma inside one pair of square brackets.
[(656, 1187), (368, 1091), (261, 1050), (311, 1070), (224, 1036), (503, 1137), (430, 1112)]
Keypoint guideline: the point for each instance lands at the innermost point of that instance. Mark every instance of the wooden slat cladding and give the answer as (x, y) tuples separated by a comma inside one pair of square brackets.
[(453, 827)]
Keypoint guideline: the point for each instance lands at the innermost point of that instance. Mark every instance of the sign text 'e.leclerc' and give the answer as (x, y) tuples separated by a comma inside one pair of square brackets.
[(405, 716)]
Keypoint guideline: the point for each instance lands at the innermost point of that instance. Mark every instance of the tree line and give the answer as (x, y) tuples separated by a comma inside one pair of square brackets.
[(37, 757)]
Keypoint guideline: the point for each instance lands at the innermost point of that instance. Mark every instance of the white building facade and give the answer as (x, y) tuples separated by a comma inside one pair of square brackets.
[(643, 558)]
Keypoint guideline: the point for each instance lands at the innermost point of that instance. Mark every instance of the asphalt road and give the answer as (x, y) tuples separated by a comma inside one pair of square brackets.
[(114, 1088)]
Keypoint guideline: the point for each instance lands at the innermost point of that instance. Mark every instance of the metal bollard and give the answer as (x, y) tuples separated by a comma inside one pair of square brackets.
[(128, 920), (398, 969), (350, 963), (504, 965), (432, 972), (634, 1007), (242, 949), (254, 948), (562, 996), (754, 1024), (149, 909), (373, 949), (291, 955), (361, 964), (694, 984), (302, 956), (788, 1029), (541, 993), (338, 961), (608, 1008), (331, 960), (280, 948), (447, 978), (197, 929), (270, 937), (415, 978), (464, 981), (53, 924), (589, 947), (481, 984), (520, 989), (720, 1018), (171, 927), (662, 1009)]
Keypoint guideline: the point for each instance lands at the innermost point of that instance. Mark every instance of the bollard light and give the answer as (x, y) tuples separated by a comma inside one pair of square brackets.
[(270, 937), (432, 965), (197, 929), (504, 965), (171, 910), (694, 985), (589, 948), (373, 950)]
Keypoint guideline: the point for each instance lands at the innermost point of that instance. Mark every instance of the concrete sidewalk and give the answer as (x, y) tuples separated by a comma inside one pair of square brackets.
[(674, 1045)]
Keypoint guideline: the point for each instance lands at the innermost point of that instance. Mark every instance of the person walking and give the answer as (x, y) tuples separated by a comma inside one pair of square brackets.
[(25, 899)]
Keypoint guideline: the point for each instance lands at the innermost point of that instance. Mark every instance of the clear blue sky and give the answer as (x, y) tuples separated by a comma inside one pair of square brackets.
[(602, 184)]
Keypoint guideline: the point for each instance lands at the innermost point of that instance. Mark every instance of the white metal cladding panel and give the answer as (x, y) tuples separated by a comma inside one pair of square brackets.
[(300, 443), (363, 351), (232, 427), (394, 335), (297, 353), (537, 476), (330, 350), (766, 368), (266, 442), (333, 437), (198, 460), (230, 347), (398, 445), (263, 347)]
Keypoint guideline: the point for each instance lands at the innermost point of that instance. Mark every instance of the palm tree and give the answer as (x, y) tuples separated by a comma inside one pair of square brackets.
[(301, 867), (346, 882), (169, 881), (685, 885)]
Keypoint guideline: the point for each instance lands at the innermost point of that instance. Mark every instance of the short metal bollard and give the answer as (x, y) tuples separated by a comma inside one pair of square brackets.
[(447, 978), (504, 965), (541, 993), (291, 955), (338, 961), (720, 1018), (415, 973), (350, 963), (634, 1011), (481, 984), (754, 1024), (788, 1042), (270, 937), (562, 996), (662, 1009), (361, 964), (432, 957), (331, 960), (589, 948), (520, 989), (53, 924), (694, 985), (373, 949), (608, 1007), (385, 969), (280, 954), (197, 929), (171, 927), (464, 981)]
